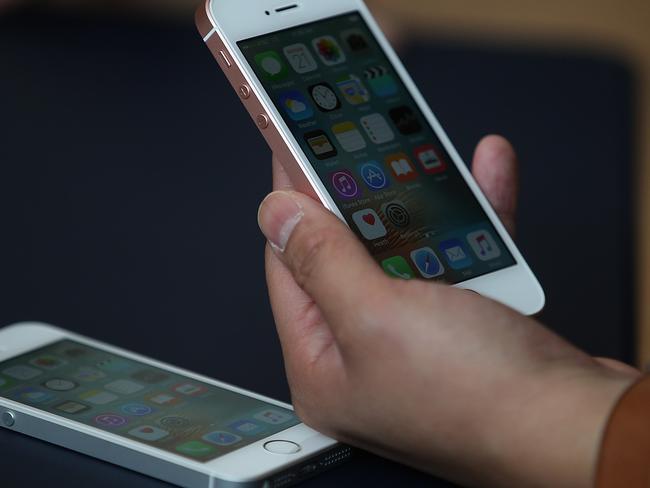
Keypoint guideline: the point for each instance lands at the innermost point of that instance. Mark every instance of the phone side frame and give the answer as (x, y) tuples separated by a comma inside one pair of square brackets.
[(228, 471), (516, 286)]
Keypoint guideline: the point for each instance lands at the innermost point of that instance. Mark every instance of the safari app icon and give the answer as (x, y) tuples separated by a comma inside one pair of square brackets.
[(427, 263)]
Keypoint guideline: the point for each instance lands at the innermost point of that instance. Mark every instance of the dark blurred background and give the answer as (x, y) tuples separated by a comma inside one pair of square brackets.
[(130, 178)]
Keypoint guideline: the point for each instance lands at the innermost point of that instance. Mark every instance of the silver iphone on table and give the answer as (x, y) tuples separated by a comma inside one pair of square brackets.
[(151, 417)]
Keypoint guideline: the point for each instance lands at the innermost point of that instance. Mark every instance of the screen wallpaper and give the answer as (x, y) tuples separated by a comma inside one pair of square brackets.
[(142, 403), (374, 151)]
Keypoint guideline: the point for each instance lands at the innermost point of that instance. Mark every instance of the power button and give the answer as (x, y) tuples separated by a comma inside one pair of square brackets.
[(8, 419)]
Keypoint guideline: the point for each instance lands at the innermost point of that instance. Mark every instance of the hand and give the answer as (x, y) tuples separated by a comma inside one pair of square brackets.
[(436, 377)]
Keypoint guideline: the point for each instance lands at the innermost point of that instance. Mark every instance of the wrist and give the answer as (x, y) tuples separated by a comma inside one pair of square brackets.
[(552, 433)]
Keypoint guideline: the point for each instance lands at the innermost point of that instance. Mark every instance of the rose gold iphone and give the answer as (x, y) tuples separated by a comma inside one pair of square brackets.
[(341, 113)]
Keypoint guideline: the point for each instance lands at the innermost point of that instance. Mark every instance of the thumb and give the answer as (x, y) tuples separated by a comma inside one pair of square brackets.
[(325, 258)]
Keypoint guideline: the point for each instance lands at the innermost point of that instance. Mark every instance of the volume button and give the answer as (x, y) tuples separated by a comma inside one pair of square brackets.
[(225, 59), (262, 121)]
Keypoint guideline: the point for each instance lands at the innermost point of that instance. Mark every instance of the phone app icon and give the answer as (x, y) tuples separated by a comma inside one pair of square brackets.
[(190, 389), (377, 128), (320, 144), (273, 417), (272, 65), (221, 438), (137, 409), (111, 421), (324, 97), (296, 105), (353, 90), (396, 212), (430, 159), (86, 374), (72, 408), (373, 176), (369, 224), (30, 394), (484, 245), (247, 427), (58, 384), (97, 397), (349, 137), (401, 167), (174, 422), (22, 373), (397, 267), (150, 376), (328, 50), (195, 449), (114, 365), (124, 387), (48, 362), (356, 41), (405, 120), (456, 254), (148, 433), (381, 81), (164, 399), (345, 184), (427, 262), (300, 58)]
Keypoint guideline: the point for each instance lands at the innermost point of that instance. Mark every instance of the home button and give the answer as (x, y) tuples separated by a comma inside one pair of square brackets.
[(8, 419), (282, 447)]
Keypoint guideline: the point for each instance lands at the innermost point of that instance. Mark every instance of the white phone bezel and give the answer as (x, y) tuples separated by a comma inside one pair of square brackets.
[(235, 21), (250, 463)]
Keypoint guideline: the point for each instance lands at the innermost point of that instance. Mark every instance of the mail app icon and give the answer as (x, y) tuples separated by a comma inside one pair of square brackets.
[(456, 254)]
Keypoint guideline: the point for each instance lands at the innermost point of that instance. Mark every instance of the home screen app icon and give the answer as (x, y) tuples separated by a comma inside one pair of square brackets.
[(369, 224), (456, 254)]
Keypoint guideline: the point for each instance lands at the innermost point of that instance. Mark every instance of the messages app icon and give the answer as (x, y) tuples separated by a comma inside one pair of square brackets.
[(272, 65)]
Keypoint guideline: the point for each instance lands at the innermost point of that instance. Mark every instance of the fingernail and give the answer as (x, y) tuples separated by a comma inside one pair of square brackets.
[(278, 216)]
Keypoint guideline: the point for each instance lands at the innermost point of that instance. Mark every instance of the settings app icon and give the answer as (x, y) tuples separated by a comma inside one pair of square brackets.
[(396, 212)]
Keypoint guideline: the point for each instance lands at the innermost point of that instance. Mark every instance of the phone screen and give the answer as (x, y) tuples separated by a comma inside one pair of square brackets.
[(376, 154), (140, 402)]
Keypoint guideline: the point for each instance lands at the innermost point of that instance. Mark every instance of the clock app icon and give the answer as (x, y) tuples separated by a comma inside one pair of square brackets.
[(324, 97)]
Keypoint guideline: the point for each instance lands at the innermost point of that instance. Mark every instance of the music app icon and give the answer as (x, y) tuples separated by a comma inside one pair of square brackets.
[(110, 420), (345, 184), (484, 245)]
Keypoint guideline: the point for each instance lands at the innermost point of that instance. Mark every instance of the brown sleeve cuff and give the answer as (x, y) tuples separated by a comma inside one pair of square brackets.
[(625, 452)]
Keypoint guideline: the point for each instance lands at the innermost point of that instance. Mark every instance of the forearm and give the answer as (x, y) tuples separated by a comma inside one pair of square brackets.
[(549, 431), (625, 454)]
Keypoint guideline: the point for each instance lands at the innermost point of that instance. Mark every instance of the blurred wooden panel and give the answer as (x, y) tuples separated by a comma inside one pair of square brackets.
[(621, 27)]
